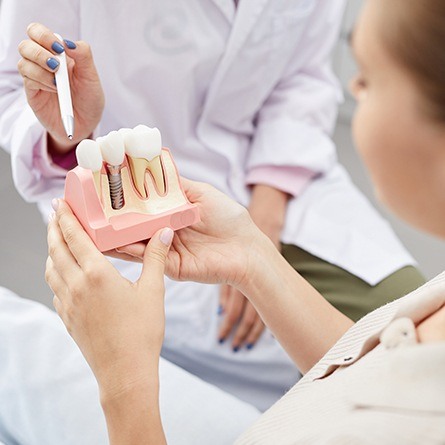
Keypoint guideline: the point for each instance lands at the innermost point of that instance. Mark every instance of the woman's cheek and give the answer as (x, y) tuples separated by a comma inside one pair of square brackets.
[(369, 138), (360, 129)]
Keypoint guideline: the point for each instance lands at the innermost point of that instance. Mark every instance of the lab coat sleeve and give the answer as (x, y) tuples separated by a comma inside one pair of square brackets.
[(21, 134), (290, 180), (296, 121)]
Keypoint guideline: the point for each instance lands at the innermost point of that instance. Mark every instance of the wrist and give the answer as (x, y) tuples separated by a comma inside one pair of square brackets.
[(59, 147), (133, 413), (258, 262), (119, 382), (124, 372), (268, 208), (63, 145)]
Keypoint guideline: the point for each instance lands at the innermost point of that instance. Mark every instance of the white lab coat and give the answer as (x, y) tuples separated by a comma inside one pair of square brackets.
[(229, 93)]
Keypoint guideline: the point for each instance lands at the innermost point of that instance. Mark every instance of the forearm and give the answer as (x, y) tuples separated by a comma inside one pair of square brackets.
[(132, 413), (305, 324)]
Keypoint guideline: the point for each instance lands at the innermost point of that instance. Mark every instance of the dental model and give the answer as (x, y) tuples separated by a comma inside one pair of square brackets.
[(89, 157), (126, 188), (113, 152), (143, 146)]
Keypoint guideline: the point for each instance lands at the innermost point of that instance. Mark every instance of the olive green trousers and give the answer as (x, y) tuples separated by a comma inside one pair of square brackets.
[(348, 293)]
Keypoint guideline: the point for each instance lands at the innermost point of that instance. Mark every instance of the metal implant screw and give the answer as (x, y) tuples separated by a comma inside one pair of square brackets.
[(116, 188)]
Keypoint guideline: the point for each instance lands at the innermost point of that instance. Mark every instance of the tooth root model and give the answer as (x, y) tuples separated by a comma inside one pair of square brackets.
[(113, 152), (155, 168), (143, 146), (89, 157)]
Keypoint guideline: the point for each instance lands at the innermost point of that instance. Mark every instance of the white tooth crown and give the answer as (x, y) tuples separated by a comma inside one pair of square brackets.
[(143, 142), (89, 155), (124, 131), (141, 127), (113, 148)]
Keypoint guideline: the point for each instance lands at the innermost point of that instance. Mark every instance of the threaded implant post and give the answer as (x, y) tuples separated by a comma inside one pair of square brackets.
[(116, 188)]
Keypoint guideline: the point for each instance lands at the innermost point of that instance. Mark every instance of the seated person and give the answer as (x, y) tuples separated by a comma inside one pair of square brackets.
[(379, 381)]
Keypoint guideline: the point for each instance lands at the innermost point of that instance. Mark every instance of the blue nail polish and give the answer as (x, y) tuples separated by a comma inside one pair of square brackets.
[(70, 44), (236, 349), (58, 47), (220, 310), (52, 63), (221, 341), (249, 346)]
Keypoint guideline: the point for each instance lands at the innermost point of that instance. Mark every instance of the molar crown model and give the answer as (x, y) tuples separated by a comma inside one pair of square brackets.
[(143, 146), (126, 187)]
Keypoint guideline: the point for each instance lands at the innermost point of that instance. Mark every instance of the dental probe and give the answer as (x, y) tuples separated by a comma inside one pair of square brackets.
[(64, 94)]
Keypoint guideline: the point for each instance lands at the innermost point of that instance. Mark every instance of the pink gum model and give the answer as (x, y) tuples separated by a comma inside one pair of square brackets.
[(136, 221)]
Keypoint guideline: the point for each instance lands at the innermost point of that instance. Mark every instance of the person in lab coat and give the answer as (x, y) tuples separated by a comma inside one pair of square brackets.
[(245, 97)]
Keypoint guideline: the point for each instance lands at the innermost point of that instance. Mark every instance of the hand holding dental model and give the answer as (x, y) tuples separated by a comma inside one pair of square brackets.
[(224, 247), (126, 188)]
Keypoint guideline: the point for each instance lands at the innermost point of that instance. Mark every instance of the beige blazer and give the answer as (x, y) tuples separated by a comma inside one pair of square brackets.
[(377, 385)]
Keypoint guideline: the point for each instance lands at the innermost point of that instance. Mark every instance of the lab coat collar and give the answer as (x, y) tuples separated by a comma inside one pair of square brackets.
[(227, 7), (246, 16)]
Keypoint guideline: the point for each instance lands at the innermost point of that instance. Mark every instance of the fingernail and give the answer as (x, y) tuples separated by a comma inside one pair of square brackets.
[(221, 341), (52, 63), (236, 349), (166, 236), (55, 204), (249, 346), (58, 47), (70, 44), (220, 310)]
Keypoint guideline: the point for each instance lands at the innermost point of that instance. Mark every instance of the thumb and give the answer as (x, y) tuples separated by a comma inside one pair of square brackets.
[(155, 256)]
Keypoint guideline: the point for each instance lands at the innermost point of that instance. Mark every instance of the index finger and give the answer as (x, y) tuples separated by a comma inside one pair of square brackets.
[(45, 37), (80, 244)]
